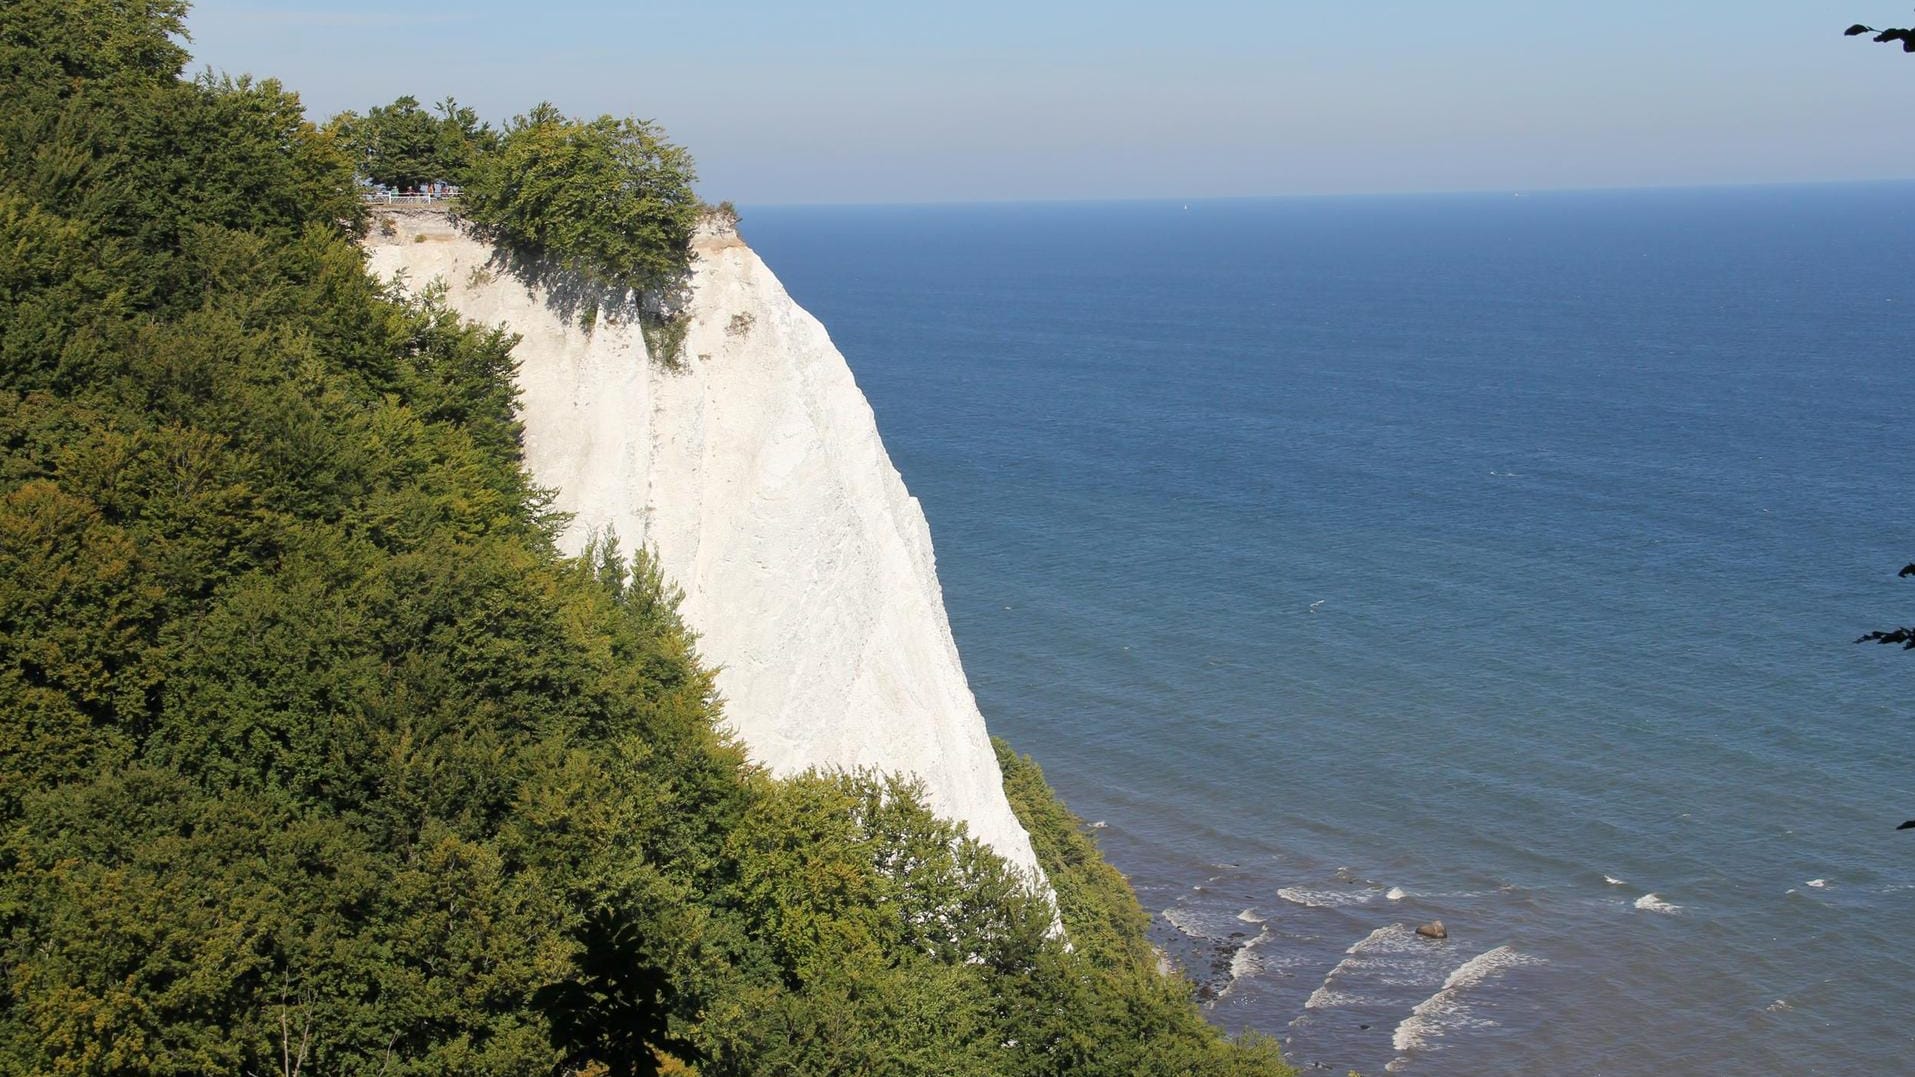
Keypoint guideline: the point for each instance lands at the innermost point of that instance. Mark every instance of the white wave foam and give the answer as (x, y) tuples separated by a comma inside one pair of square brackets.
[(1392, 939), (1397, 893), (1377, 953), (1613, 881), (1819, 884), (1780, 1005), (1198, 920), (1325, 999), (1447, 1011), (1244, 963), (1653, 903), (1249, 916), (1325, 899), (1185, 920)]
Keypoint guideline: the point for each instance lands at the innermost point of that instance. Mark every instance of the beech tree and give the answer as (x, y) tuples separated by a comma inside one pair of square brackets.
[(607, 199), (403, 145)]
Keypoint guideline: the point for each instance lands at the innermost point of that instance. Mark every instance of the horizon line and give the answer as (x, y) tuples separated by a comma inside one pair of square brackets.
[(1457, 192)]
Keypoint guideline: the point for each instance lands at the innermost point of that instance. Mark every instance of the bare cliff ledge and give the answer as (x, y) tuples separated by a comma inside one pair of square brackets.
[(758, 476)]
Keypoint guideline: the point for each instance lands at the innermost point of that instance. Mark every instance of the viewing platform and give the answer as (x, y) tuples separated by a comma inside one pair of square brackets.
[(434, 195)]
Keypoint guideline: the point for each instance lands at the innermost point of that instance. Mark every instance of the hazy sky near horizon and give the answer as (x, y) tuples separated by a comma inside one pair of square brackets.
[(895, 102)]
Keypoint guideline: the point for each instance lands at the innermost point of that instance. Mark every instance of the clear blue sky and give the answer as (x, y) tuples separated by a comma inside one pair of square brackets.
[(906, 102)]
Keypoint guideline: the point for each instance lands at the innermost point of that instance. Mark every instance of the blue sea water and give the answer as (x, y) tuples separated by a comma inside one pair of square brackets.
[(1361, 562)]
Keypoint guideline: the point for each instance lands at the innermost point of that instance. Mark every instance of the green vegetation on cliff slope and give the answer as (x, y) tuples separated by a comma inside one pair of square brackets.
[(316, 757)]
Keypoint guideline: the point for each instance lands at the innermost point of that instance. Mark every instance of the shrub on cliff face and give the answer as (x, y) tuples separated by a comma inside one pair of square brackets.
[(608, 200)]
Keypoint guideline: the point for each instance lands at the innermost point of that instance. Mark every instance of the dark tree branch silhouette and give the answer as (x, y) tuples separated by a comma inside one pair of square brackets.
[(1906, 37), (1903, 635)]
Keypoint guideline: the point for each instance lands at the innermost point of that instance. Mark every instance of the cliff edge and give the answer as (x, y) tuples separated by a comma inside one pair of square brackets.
[(757, 475)]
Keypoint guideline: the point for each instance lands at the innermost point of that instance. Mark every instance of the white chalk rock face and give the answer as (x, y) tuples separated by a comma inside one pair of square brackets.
[(758, 476)]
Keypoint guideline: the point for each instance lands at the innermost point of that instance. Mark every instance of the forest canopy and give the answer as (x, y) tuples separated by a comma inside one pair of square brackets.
[(316, 756)]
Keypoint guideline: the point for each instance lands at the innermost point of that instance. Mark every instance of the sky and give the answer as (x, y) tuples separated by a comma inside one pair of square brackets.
[(861, 102)]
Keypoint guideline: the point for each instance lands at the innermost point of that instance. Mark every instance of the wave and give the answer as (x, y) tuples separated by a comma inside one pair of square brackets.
[(1447, 1010), (1325, 999), (1373, 951), (1613, 881), (1326, 899), (1199, 915), (1244, 964), (1245, 961), (1653, 903), (1184, 921)]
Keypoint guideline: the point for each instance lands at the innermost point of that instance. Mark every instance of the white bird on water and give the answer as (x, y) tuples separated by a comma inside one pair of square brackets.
[(1318, 602)]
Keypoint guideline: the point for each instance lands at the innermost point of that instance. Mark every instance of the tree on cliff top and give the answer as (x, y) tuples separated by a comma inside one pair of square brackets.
[(609, 200), (403, 145)]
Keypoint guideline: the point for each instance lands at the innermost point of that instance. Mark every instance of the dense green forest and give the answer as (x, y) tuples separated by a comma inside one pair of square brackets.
[(316, 757)]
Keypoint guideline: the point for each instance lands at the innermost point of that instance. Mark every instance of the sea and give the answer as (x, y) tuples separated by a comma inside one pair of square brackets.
[(1354, 563)]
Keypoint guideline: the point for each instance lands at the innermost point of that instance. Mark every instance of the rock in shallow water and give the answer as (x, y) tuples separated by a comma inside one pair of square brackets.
[(1433, 930)]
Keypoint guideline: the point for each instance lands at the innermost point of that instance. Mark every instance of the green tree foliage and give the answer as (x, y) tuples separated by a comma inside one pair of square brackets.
[(608, 201), (93, 40), (403, 145), (316, 757)]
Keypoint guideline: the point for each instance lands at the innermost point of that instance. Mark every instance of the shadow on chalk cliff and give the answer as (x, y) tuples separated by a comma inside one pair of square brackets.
[(662, 314)]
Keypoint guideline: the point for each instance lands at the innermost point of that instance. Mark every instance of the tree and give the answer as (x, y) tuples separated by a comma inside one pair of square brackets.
[(608, 199), (403, 145)]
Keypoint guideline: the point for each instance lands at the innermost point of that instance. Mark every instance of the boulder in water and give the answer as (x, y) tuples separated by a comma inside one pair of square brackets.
[(1433, 930)]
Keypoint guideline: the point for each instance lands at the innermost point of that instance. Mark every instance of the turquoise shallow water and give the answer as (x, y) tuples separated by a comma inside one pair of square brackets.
[(1358, 562)]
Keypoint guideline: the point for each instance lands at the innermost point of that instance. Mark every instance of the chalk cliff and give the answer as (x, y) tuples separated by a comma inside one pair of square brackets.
[(758, 476)]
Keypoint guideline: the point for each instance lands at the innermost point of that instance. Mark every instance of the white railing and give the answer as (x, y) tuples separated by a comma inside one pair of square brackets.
[(389, 198)]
